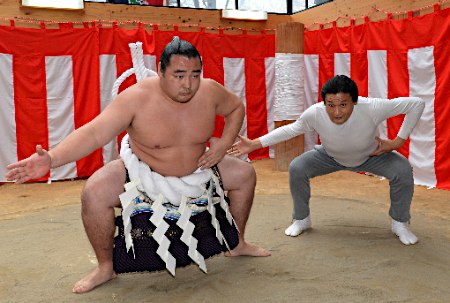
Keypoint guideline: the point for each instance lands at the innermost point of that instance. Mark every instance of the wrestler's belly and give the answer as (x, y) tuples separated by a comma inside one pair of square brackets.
[(175, 161)]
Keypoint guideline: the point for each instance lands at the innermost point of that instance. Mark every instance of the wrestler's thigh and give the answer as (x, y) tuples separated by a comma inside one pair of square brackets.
[(106, 184), (236, 173)]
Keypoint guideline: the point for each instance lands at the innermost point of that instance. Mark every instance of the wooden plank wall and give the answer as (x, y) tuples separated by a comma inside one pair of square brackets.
[(342, 11), (128, 15), (190, 19)]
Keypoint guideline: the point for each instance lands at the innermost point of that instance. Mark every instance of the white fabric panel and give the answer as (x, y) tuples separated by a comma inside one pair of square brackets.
[(378, 84), (150, 62), (311, 93), (60, 106), (8, 148), (234, 80), (108, 74), (422, 83), (270, 97), (342, 64)]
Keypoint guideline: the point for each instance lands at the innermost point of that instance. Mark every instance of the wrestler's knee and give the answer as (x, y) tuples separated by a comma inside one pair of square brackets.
[(237, 174), (247, 173), (88, 194), (104, 186)]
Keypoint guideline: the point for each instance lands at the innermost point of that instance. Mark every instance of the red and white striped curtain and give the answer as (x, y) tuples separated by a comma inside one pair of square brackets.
[(53, 81), (394, 58)]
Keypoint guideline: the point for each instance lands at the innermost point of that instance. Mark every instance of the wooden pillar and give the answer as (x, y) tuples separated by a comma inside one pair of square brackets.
[(288, 40)]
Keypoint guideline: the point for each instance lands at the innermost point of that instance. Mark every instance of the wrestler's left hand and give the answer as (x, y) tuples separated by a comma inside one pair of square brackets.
[(213, 155), (35, 166)]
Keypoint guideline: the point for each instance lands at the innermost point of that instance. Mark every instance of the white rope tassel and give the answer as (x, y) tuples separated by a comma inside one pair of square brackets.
[(188, 228), (127, 201), (159, 234)]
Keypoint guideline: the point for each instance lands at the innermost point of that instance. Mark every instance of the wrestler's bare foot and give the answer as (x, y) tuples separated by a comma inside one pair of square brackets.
[(94, 279), (245, 249)]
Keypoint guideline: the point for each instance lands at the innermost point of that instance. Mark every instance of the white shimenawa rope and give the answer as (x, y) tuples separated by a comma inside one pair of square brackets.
[(289, 86), (137, 56)]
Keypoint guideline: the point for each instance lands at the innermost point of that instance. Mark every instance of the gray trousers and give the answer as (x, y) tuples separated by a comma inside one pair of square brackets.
[(394, 166)]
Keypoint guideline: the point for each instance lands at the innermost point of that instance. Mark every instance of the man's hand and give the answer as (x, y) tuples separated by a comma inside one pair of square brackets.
[(213, 155), (244, 146), (385, 146), (35, 166)]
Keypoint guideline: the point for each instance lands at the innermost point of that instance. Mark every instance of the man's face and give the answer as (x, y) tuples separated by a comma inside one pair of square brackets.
[(181, 79), (339, 107)]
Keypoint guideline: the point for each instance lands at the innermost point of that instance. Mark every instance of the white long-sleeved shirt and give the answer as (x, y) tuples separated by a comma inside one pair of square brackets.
[(351, 143)]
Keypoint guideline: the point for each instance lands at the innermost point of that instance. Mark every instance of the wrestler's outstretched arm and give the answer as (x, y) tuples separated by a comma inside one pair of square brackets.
[(115, 118)]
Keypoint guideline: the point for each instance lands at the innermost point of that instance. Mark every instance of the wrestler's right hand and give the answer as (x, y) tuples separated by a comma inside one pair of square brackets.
[(35, 166)]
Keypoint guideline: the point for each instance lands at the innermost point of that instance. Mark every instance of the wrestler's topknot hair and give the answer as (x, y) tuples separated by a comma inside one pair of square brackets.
[(177, 47), (340, 84)]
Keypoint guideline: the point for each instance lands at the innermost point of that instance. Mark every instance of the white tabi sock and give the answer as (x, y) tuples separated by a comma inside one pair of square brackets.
[(298, 226), (403, 233)]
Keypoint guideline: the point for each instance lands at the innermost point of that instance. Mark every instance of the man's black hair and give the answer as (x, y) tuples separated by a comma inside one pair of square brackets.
[(340, 84), (178, 47)]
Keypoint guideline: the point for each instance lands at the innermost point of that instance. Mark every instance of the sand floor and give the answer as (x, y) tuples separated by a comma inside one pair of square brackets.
[(350, 255)]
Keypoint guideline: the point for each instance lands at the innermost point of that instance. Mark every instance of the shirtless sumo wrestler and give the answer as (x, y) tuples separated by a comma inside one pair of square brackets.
[(169, 119)]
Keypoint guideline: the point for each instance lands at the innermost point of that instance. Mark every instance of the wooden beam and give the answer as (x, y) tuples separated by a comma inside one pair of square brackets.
[(288, 40)]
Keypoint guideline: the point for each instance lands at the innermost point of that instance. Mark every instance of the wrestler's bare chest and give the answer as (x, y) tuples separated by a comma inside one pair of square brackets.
[(170, 126)]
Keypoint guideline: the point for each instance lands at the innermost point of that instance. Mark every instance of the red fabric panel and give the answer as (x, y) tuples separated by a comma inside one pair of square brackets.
[(398, 86), (359, 72), (442, 111), (255, 86), (342, 39), (257, 49), (213, 68), (30, 105), (326, 70), (29, 88), (86, 90)]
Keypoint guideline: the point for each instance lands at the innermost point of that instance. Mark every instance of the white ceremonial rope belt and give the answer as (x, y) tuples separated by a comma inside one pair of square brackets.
[(154, 184)]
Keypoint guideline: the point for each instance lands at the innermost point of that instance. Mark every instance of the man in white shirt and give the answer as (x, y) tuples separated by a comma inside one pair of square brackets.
[(347, 126)]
